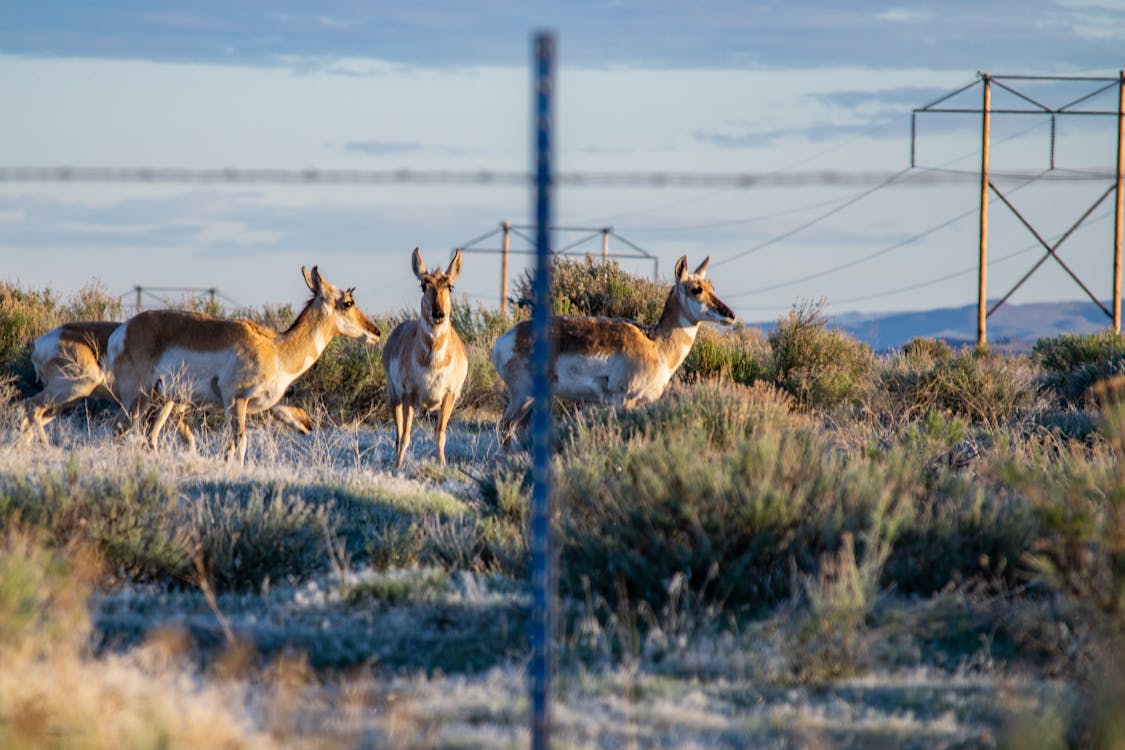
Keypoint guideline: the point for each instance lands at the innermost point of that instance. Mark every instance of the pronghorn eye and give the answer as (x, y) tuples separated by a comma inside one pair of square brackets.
[(345, 304)]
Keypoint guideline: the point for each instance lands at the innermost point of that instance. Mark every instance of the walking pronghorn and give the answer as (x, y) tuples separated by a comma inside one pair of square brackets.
[(68, 361), (424, 360), (238, 364), (610, 359)]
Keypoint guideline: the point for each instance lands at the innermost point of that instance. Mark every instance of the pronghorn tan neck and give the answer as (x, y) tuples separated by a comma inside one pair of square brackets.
[(675, 332), (301, 345), (691, 301)]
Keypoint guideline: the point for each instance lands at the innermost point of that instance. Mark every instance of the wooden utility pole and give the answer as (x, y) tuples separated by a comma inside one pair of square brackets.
[(1117, 227), (605, 245), (982, 293), (504, 248)]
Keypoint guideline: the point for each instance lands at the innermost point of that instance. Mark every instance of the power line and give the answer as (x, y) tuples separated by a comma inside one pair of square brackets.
[(801, 227), (956, 274), (785, 168), (971, 269), (855, 199), (871, 256)]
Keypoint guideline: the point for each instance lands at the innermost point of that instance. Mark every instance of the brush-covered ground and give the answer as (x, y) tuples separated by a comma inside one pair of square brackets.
[(802, 544)]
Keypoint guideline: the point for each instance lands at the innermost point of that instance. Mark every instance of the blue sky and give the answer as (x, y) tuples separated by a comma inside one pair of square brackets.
[(745, 87)]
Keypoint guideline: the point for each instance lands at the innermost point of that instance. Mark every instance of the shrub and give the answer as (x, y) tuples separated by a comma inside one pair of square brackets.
[(698, 481), (1073, 362), (742, 355), (479, 328), (981, 388), (130, 517), (822, 368), (1077, 493), (720, 477), (592, 287), (923, 348), (347, 383), (242, 541)]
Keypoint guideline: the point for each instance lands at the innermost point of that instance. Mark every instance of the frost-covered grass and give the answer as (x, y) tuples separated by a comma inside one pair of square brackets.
[(801, 544), (311, 598)]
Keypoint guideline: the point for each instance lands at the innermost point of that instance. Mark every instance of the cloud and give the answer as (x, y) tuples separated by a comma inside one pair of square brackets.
[(903, 15), (655, 33), (898, 98), (816, 132), (381, 148)]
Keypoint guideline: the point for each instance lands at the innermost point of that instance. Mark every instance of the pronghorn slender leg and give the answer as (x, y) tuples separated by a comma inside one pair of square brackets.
[(35, 411), (442, 421), (398, 410), (514, 417), (42, 408), (236, 420), (183, 429), (158, 423), (404, 443)]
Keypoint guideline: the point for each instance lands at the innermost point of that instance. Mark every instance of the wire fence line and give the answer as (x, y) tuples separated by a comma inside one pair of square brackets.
[(503, 178)]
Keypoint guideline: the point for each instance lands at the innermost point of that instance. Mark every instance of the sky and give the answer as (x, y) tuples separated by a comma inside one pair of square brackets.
[(784, 91)]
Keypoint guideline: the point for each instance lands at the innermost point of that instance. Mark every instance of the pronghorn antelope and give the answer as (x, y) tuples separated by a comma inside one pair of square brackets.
[(241, 365), (424, 360), (608, 359), (68, 362)]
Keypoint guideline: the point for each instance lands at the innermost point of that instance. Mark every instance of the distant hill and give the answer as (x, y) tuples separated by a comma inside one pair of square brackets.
[(1011, 328)]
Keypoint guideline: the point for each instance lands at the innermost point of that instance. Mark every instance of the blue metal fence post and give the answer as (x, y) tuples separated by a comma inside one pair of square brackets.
[(542, 577)]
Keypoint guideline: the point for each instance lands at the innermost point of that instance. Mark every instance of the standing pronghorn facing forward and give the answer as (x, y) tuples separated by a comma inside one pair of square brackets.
[(424, 360), (610, 359), (238, 364)]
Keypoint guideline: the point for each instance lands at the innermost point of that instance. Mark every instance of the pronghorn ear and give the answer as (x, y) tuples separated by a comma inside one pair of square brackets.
[(702, 270), (681, 268), (454, 269), (418, 264), (312, 281)]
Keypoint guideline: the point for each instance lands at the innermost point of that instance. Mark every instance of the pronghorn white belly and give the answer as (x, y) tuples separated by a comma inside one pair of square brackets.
[(424, 387), (605, 377), (186, 375)]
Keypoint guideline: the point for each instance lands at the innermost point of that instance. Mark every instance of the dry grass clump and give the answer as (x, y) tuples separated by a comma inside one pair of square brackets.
[(982, 388), (53, 693)]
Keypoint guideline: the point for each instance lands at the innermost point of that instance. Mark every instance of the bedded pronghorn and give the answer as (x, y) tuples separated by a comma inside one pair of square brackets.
[(424, 360), (245, 367), (68, 362), (610, 359)]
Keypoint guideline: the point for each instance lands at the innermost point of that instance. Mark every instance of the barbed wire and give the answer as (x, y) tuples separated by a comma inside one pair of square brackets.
[(315, 176)]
